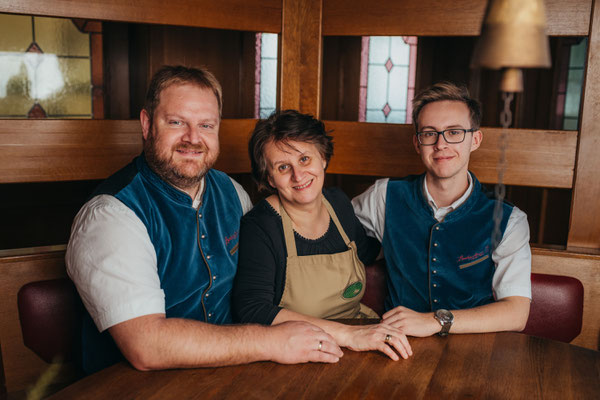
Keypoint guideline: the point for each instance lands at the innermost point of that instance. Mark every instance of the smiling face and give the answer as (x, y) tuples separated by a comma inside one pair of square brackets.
[(296, 170), (444, 161), (182, 142)]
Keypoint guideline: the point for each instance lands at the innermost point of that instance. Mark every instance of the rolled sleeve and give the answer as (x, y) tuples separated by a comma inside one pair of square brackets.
[(112, 262), (513, 259)]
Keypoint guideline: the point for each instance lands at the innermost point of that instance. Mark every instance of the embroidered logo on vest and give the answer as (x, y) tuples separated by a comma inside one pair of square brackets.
[(352, 290)]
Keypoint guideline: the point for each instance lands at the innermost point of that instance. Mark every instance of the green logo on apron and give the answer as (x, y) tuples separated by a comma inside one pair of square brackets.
[(352, 290)]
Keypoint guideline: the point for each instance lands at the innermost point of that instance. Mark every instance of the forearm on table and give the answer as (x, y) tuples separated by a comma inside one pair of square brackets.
[(155, 342), (338, 331), (508, 314)]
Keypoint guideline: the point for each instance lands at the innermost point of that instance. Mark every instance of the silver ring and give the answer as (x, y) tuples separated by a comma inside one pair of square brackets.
[(388, 338), (320, 345)]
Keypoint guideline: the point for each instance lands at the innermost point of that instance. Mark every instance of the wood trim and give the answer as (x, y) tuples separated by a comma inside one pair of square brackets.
[(301, 48), (437, 17), (387, 150), (242, 15), (64, 150), (586, 268), (584, 230)]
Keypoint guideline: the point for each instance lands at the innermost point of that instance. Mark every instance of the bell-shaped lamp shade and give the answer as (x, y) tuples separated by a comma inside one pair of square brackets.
[(513, 36)]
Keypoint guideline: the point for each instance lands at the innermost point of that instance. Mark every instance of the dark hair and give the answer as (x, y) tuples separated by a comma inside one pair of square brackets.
[(446, 91), (282, 127), (169, 75)]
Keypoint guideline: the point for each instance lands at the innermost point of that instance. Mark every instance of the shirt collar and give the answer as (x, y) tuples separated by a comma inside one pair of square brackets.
[(198, 198), (454, 205)]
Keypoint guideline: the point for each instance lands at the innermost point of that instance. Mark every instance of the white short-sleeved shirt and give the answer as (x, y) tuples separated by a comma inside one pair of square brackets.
[(512, 256), (112, 261)]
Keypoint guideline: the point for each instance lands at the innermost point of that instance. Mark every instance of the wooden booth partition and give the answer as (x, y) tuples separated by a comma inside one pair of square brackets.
[(71, 150)]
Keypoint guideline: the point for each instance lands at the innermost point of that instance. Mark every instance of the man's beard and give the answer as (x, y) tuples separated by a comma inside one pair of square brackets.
[(179, 174)]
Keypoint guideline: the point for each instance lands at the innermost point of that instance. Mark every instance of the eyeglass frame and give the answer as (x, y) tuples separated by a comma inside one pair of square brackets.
[(444, 136)]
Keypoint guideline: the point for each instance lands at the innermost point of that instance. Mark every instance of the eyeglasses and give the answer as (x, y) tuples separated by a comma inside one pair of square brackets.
[(429, 138)]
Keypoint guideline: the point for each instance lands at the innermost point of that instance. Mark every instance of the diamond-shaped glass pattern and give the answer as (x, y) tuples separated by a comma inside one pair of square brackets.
[(388, 79), (45, 68)]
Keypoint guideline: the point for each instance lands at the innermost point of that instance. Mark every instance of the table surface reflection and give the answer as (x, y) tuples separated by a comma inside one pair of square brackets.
[(495, 365)]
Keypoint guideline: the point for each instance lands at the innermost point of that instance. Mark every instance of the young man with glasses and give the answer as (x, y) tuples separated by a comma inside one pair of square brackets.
[(445, 273)]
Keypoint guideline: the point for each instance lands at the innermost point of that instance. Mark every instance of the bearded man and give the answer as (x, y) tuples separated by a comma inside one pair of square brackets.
[(154, 252)]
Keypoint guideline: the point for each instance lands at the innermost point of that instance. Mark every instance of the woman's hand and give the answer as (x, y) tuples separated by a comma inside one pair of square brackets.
[(373, 337)]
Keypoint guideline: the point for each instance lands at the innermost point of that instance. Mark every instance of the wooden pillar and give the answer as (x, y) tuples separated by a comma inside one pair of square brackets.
[(301, 48), (584, 230)]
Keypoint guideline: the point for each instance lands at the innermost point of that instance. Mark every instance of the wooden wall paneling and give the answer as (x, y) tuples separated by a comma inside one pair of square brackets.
[(387, 150), (64, 150), (116, 40), (584, 231), (245, 15), (21, 366), (437, 17), (341, 77), (586, 268), (300, 57), (223, 52), (58, 150)]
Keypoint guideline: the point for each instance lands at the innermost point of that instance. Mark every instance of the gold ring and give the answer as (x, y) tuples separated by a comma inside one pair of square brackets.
[(388, 338), (320, 345)]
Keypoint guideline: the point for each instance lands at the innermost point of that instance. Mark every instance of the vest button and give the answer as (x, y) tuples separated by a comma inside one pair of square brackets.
[(209, 315), (437, 228), (434, 271), (203, 236), (435, 300), (199, 215), (206, 295), (214, 277), (208, 257), (435, 245), (435, 285), (434, 259)]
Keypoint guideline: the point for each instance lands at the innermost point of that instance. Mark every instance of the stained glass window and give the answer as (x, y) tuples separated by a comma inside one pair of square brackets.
[(574, 84), (266, 74), (45, 68), (388, 69)]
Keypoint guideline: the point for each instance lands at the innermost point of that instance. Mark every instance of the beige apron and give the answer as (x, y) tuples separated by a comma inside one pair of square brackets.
[(324, 285)]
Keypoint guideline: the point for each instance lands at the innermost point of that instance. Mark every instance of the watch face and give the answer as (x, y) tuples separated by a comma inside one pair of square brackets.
[(444, 315)]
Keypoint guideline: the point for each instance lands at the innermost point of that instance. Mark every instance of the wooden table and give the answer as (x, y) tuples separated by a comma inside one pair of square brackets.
[(491, 366)]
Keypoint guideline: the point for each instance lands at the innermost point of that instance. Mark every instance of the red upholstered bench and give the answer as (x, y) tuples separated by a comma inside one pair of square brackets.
[(50, 314), (556, 309)]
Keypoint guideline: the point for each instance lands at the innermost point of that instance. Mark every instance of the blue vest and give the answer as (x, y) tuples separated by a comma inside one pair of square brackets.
[(431, 264), (196, 250)]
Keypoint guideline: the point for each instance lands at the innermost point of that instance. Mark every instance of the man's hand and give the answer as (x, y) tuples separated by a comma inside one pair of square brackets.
[(412, 323), (298, 342)]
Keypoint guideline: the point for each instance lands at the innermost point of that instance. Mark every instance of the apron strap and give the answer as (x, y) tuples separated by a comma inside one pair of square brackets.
[(288, 231), (336, 221)]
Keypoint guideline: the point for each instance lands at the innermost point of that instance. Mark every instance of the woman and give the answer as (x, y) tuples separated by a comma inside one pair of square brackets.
[(301, 248)]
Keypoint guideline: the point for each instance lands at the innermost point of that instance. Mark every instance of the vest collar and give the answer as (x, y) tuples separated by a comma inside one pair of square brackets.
[(169, 190)]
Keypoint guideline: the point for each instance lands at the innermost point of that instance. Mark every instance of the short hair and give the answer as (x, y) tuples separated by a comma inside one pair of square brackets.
[(447, 91), (282, 127), (169, 75)]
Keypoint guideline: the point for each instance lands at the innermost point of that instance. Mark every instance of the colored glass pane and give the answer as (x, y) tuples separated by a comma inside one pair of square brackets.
[(15, 100), (399, 51), (61, 37), (574, 84), (379, 49), (268, 74), (390, 79), (377, 87), (71, 91), (15, 32)]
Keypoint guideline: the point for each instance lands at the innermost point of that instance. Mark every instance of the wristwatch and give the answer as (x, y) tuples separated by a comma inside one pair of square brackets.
[(445, 318)]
